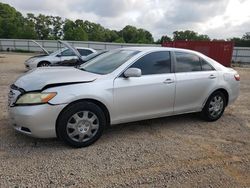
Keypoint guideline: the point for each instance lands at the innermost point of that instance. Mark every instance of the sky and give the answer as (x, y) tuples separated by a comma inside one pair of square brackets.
[(219, 19)]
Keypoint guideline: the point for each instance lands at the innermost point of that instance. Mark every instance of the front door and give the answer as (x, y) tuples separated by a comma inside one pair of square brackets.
[(148, 96)]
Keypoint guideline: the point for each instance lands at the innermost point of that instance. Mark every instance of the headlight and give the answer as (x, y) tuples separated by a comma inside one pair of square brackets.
[(35, 98), (30, 60)]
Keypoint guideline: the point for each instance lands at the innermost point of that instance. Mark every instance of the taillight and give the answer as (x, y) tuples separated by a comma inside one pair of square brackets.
[(237, 77)]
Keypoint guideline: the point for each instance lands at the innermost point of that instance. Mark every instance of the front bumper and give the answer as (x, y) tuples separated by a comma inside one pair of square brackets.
[(37, 121), (27, 66)]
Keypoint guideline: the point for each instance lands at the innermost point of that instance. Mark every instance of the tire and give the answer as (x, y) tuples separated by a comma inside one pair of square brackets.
[(214, 106), (81, 124), (43, 64)]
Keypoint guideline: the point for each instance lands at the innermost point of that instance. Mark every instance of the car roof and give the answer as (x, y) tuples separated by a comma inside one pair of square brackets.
[(153, 48), (84, 48)]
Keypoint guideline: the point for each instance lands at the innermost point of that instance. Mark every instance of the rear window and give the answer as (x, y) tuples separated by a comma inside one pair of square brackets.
[(186, 62), (84, 52), (206, 66)]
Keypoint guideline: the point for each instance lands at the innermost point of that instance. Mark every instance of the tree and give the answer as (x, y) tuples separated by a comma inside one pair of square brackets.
[(246, 36), (163, 39), (43, 26), (241, 42), (111, 35), (57, 29), (74, 30), (189, 36), (129, 34), (144, 37)]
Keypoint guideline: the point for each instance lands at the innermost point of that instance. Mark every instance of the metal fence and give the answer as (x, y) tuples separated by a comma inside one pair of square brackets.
[(52, 45), (240, 54)]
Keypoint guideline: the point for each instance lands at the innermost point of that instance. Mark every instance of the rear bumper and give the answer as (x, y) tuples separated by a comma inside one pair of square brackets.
[(234, 94), (36, 121)]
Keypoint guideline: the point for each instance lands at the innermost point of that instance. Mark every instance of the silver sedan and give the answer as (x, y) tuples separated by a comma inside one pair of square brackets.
[(122, 85)]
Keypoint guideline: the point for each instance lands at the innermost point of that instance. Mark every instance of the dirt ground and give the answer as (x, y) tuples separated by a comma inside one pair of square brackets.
[(179, 151)]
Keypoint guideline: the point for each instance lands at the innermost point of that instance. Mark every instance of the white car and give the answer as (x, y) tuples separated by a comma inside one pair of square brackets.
[(55, 57), (122, 85)]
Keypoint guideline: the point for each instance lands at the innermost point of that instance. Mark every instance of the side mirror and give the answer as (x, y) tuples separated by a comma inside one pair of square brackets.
[(132, 72), (59, 55)]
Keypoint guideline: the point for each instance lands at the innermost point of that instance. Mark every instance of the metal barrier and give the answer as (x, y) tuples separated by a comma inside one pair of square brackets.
[(52, 45), (240, 54)]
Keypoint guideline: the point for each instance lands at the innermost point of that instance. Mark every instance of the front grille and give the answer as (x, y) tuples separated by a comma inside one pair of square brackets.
[(25, 129)]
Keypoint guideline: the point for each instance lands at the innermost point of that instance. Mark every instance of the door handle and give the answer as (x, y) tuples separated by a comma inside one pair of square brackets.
[(212, 76), (168, 81)]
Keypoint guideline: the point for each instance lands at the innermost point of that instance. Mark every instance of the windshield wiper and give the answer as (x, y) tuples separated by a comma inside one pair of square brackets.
[(81, 68)]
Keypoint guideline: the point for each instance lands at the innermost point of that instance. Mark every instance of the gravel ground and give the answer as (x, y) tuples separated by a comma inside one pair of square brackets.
[(179, 151)]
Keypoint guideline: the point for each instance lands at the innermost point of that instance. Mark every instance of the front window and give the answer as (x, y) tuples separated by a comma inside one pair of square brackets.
[(108, 62), (154, 63), (67, 52)]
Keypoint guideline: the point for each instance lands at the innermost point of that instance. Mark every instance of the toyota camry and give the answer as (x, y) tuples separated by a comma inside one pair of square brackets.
[(122, 85)]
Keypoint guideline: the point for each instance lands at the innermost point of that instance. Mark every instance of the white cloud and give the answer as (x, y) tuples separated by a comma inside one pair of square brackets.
[(217, 18)]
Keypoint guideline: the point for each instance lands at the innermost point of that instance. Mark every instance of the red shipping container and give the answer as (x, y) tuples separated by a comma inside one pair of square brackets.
[(221, 51)]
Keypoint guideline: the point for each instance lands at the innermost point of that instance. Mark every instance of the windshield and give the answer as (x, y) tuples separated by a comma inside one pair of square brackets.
[(93, 55), (58, 51), (108, 62)]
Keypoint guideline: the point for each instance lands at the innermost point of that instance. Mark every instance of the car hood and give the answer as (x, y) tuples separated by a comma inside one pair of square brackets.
[(40, 46), (45, 77)]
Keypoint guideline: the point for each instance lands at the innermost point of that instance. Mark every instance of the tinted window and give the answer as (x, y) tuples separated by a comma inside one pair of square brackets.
[(154, 63), (205, 66), (67, 52), (186, 62), (84, 52)]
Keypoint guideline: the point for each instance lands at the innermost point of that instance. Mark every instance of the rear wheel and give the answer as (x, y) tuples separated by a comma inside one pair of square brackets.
[(43, 64), (214, 107), (81, 124)]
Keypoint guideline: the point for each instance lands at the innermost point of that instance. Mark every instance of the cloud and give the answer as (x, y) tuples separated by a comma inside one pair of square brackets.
[(191, 11), (104, 8), (217, 18)]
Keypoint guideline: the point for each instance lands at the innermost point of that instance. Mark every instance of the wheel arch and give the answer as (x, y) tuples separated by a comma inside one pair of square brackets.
[(97, 102), (223, 90), (43, 61)]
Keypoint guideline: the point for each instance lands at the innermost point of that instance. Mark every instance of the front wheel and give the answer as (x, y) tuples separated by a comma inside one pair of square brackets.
[(214, 107), (81, 124), (43, 64)]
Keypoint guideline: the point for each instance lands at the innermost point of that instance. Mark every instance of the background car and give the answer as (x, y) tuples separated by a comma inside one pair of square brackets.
[(119, 86), (77, 62), (63, 54)]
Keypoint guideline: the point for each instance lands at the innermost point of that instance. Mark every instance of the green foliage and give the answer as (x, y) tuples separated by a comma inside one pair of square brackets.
[(74, 31), (241, 42), (163, 39), (131, 34), (189, 36), (14, 25)]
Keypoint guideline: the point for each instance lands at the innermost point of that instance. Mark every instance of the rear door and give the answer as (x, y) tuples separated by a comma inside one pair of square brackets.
[(151, 95), (195, 79)]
